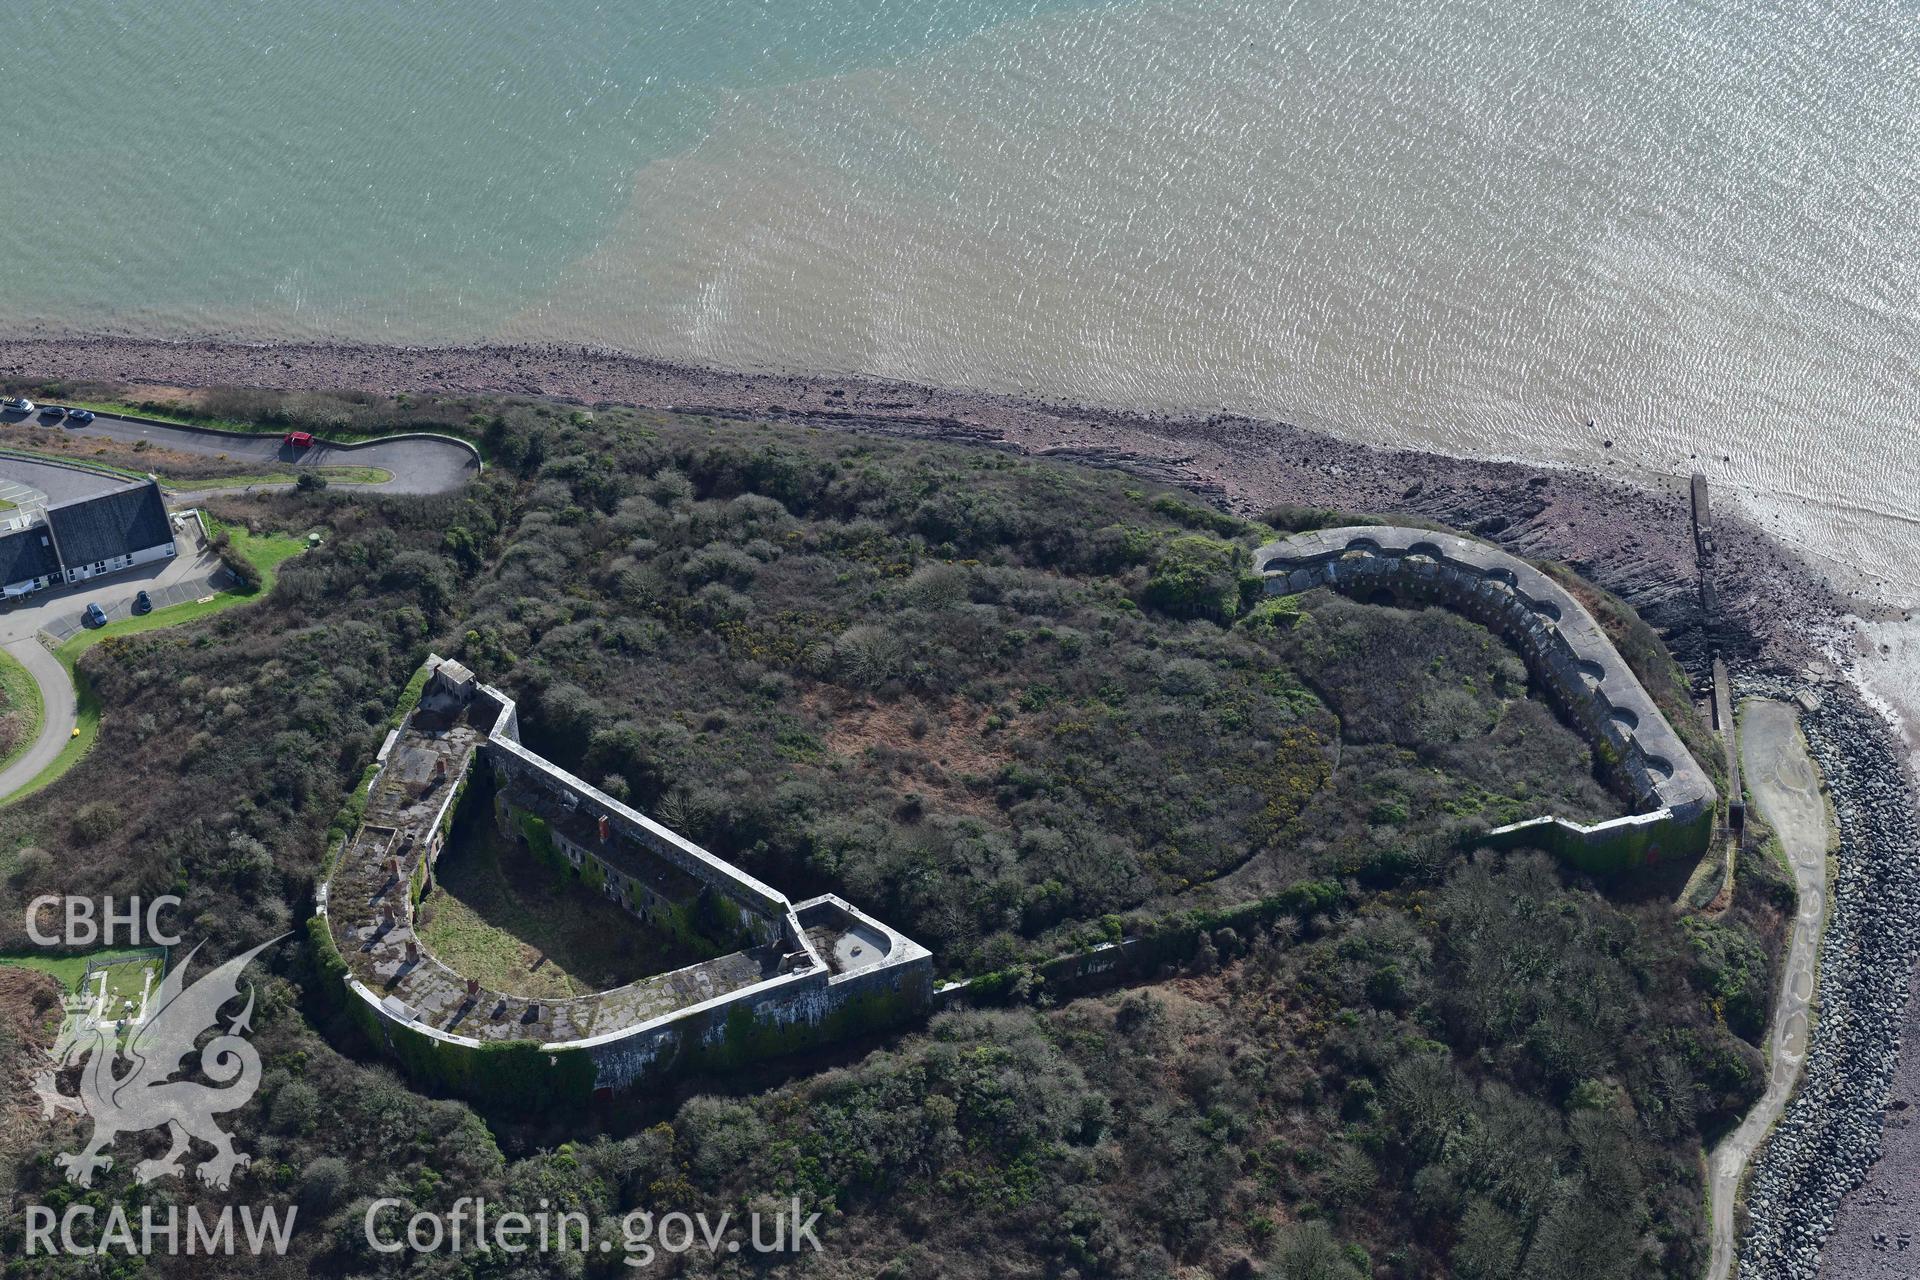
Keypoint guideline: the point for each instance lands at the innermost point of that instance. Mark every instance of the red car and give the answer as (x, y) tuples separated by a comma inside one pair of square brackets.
[(298, 439)]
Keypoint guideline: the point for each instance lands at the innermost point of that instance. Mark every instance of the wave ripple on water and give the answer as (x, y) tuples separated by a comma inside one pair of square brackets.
[(1461, 227), (1470, 226)]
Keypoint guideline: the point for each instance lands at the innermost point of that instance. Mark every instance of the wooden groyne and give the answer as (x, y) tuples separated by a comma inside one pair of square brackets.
[(1722, 692), (1723, 721), (1703, 543)]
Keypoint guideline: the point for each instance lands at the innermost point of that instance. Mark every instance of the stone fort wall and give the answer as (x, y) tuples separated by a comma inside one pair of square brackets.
[(1566, 650), (812, 995)]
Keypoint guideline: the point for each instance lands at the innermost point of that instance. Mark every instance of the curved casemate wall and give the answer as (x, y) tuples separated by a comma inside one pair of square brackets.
[(1564, 648)]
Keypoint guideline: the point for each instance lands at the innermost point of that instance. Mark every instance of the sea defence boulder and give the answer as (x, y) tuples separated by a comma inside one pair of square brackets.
[(1567, 652)]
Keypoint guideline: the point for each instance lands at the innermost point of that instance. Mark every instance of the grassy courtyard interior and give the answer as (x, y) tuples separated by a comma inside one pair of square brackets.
[(500, 914)]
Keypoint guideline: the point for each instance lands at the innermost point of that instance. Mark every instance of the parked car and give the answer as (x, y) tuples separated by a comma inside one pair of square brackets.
[(79, 417), (17, 404), (52, 411), (143, 603), (96, 616), (298, 439)]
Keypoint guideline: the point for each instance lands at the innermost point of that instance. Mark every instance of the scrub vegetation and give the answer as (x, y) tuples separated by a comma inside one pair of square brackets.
[(1011, 708)]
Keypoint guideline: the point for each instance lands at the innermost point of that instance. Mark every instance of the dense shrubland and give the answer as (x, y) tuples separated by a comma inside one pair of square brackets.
[(1000, 704)]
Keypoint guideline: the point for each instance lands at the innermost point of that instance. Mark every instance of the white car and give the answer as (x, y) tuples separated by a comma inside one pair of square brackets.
[(18, 404)]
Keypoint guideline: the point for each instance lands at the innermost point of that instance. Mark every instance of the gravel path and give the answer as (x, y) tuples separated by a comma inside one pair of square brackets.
[(1830, 1135), (1786, 789)]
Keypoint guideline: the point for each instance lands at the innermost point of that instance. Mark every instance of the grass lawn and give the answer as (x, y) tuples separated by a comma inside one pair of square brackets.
[(126, 982), (331, 474), (504, 917), (266, 551), (69, 970), (22, 699)]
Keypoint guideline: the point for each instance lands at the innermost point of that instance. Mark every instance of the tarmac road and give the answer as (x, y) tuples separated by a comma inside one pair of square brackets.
[(418, 465), (62, 713), (1786, 790), (55, 483), (57, 611)]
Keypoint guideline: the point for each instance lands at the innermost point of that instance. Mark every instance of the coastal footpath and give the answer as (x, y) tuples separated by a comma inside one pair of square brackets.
[(1789, 793), (1775, 620), (1830, 1135)]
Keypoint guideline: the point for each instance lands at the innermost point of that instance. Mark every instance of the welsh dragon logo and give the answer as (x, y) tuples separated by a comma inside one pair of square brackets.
[(144, 1096)]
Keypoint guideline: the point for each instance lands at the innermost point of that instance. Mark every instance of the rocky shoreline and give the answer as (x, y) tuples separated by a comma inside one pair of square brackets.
[(1639, 542), (1830, 1136), (1774, 615)]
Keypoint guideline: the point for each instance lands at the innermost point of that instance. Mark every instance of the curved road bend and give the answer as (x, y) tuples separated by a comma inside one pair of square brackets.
[(56, 725), (418, 465), (1786, 789)]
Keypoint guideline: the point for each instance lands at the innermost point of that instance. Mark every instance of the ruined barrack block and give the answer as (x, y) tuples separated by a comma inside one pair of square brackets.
[(803, 973), (1563, 646)]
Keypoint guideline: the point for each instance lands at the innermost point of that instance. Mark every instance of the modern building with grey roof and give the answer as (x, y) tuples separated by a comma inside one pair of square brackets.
[(27, 561), (87, 537)]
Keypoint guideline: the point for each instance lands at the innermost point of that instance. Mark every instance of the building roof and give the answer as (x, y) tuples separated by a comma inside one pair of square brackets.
[(109, 525), (27, 554)]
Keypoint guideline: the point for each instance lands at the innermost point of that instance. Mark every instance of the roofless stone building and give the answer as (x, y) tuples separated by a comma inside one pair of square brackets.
[(799, 974)]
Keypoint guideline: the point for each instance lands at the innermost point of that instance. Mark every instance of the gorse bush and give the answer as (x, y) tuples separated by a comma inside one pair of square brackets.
[(1012, 709)]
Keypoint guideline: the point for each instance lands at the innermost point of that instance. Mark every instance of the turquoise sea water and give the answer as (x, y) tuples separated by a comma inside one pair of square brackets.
[(1469, 225), (409, 171)]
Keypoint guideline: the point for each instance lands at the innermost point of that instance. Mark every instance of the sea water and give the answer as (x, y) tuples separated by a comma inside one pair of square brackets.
[(1653, 236)]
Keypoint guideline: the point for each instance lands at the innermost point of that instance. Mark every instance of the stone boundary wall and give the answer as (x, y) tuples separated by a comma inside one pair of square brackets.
[(520, 765), (1642, 839), (779, 1016), (1563, 646)]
